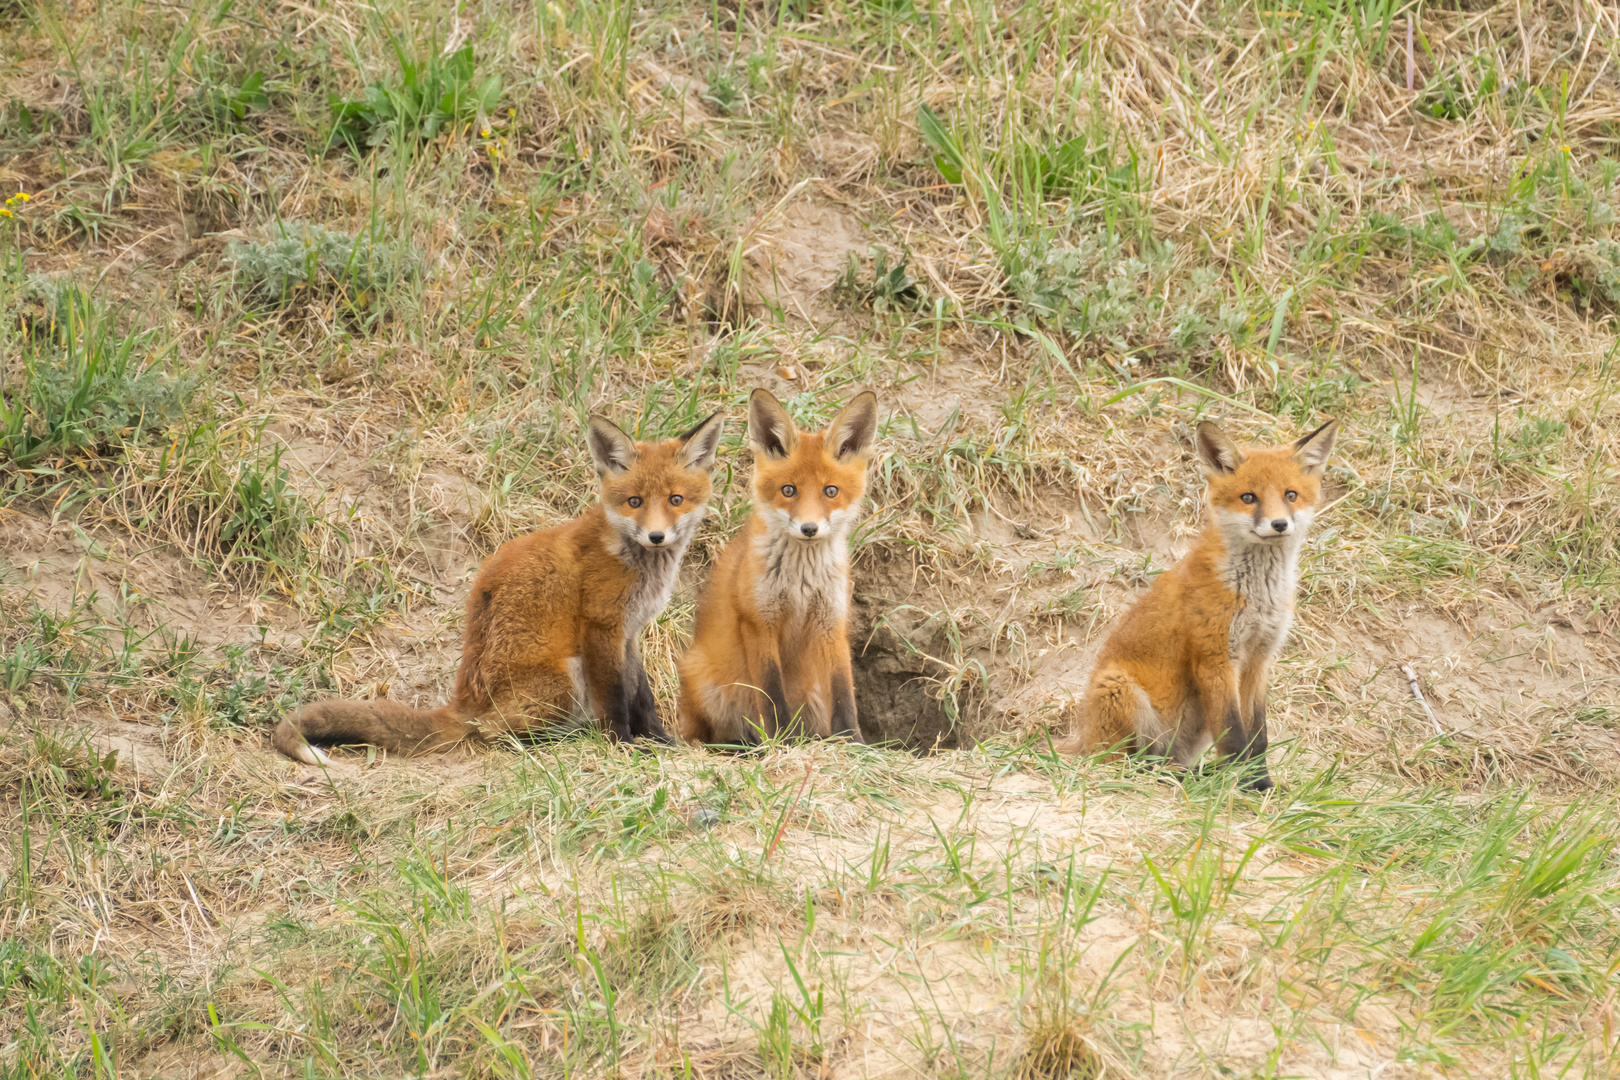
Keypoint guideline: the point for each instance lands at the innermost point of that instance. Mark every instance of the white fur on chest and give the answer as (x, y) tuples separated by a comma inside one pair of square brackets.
[(657, 571), (805, 580), (1264, 577), (651, 592)]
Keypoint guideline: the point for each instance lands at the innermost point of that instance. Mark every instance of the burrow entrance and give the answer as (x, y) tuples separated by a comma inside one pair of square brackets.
[(902, 695)]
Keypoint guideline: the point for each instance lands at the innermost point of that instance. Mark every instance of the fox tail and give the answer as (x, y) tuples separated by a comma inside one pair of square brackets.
[(380, 722)]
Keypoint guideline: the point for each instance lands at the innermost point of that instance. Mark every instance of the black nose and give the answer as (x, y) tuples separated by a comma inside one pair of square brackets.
[(809, 529), (1279, 524), (656, 538)]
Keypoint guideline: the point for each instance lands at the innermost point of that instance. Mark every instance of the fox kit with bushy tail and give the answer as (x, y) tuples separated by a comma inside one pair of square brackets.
[(553, 617), (1187, 667), (770, 653)]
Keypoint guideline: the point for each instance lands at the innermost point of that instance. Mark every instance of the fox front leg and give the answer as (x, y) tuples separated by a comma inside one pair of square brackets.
[(1222, 706), (606, 661), (644, 720), (1254, 742), (844, 718), (779, 719), (764, 656)]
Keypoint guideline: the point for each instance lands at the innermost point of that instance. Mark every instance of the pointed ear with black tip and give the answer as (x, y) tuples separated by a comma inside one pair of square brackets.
[(770, 428), (854, 429), (1218, 453), (1312, 451), (612, 451), (700, 445)]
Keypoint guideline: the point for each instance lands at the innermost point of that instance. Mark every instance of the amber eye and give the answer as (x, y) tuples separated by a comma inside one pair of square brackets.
[(676, 500), (789, 490), (1248, 497), (831, 491), (634, 501), (1290, 495)]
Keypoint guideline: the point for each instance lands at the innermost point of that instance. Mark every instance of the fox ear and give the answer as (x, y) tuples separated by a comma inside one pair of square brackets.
[(611, 449), (770, 428), (1312, 451), (700, 445), (853, 430), (1219, 454)]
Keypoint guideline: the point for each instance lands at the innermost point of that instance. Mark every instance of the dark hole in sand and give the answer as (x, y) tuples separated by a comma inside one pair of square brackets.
[(897, 687)]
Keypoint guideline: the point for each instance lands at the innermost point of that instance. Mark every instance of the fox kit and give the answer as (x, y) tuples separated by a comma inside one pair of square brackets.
[(1187, 667), (771, 649), (553, 617)]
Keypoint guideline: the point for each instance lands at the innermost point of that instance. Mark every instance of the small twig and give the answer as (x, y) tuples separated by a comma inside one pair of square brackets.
[(208, 920), (1417, 692), (1555, 767)]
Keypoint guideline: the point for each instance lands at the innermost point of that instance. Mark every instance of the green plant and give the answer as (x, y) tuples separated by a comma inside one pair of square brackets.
[(888, 288), (434, 95), (723, 92), (225, 104)]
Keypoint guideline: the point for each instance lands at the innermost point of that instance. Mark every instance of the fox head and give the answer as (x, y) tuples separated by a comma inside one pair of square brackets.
[(809, 485), (655, 493), (1264, 495)]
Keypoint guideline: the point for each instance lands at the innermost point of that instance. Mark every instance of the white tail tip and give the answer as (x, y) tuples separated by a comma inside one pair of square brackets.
[(313, 755)]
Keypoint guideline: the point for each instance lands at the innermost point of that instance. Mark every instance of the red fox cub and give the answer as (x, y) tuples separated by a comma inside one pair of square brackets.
[(1187, 667), (553, 617), (770, 652)]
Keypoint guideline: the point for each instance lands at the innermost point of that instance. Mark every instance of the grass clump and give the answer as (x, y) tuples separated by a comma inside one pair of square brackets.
[(305, 262), (85, 387), (1055, 1049)]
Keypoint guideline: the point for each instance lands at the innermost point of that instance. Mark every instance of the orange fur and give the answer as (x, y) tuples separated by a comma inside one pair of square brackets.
[(553, 617), (1187, 667), (770, 652)]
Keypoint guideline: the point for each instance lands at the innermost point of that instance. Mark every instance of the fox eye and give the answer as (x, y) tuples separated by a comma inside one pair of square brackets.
[(1248, 497), (676, 500), (789, 490), (1290, 495), (831, 491), (634, 501)]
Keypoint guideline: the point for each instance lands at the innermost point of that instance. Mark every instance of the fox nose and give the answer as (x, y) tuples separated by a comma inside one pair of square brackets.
[(1279, 525), (655, 538), (809, 528)]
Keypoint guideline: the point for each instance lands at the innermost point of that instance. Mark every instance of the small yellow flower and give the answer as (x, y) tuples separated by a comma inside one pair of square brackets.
[(5, 211), (511, 112), (483, 133), (1565, 149)]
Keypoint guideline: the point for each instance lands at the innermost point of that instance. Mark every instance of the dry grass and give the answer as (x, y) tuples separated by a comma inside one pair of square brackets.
[(235, 475)]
